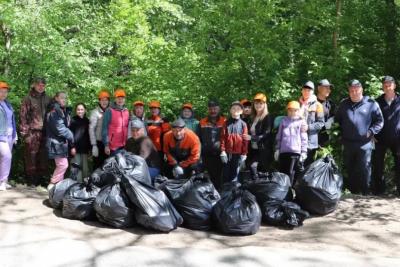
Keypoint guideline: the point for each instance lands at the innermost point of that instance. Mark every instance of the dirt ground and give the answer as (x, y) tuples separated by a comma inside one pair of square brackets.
[(364, 231)]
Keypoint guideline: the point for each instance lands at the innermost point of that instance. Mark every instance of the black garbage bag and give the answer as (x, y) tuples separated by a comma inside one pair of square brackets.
[(160, 182), (282, 213), (319, 190), (133, 166), (78, 202), (57, 192), (270, 186), (237, 212), (112, 207), (152, 207), (194, 199)]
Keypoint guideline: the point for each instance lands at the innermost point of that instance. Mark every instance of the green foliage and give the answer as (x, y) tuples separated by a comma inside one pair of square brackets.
[(178, 51)]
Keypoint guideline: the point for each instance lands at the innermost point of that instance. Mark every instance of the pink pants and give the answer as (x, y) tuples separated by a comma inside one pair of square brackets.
[(61, 168), (5, 158)]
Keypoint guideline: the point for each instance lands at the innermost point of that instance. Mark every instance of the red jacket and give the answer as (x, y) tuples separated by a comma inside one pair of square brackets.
[(186, 152), (156, 127), (232, 141)]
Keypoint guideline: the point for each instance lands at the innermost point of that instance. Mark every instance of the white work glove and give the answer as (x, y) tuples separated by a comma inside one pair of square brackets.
[(276, 155), (95, 151), (303, 157), (329, 122), (242, 159), (224, 157), (177, 171)]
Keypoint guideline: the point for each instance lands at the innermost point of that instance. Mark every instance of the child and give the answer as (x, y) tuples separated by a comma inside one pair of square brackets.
[(233, 145), (80, 128), (291, 142)]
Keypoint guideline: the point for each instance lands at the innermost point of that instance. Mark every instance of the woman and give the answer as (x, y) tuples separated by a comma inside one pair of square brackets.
[(261, 138), (115, 125), (58, 137), (8, 135), (80, 128), (95, 127)]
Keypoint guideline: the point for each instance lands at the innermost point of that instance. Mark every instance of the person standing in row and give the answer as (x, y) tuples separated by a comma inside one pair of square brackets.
[(8, 135), (388, 138), (58, 137), (157, 126), (234, 146), (95, 128), (291, 142), (247, 110), (313, 113), (31, 121), (137, 114), (210, 137), (324, 91), (187, 115), (80, 128), (115, 124), (261, 141), (360, 119)]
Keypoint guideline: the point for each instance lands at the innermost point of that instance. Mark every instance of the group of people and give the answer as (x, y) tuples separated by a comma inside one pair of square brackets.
[(250, 138)]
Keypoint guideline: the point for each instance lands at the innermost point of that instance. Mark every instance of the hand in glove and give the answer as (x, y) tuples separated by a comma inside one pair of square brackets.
[(329, 122), (177, 171), (95, 151), (224, 157), (303, 157), (276, 155)]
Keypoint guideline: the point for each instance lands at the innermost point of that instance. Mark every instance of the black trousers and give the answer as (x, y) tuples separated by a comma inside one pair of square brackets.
[(98, 161), (289, 163), (213, 165), (378, 185), (310, 156), (259, 160), (357, 163), (230, 170)]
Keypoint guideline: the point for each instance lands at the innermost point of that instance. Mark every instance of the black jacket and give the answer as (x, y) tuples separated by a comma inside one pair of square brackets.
[(145, 148), (58, 136), (390, 133), (263, 133), (80, 129)]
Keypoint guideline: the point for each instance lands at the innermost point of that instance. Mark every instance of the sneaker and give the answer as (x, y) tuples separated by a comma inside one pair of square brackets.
[(50, 186), (3, 186), (8, 186)]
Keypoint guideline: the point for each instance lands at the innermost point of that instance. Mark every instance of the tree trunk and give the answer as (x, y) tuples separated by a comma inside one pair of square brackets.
[(7, 46)]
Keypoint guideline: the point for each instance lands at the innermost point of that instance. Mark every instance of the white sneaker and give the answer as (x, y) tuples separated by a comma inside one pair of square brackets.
[(50, 186), (8, 186), (3, 186)]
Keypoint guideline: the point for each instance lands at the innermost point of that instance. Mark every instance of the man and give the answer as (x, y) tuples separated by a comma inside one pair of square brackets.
[(360, 119), (389, 137), (246, 115), (210, 135), (313, 113), (141, 145), (182, 149), (324, 91), (32, 113)]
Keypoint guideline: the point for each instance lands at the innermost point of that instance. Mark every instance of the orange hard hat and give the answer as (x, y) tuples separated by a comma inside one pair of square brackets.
[(293, 105), (154, 104), (138, 103), (104, 94), (119, 93), (245, 102), (261, 97), (187, 105), (4, 85)]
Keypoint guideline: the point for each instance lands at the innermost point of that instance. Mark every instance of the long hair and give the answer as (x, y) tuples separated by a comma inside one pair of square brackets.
[(254, 112)]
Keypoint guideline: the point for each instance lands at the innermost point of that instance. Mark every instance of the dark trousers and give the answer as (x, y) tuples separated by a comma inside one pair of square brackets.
[(35, 156), (187, 172), (357, 163), (378, 185), (98, 161), (259, 160), (213, 165), (289, 164), (230, 170)]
